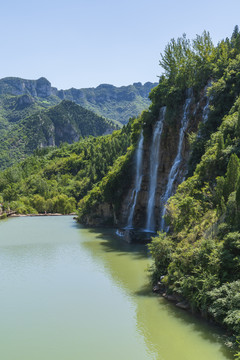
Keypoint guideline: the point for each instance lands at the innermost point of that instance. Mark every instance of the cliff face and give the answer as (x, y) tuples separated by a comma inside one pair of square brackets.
[(172, 162), (170, 166), (65, 122), (36, 88)]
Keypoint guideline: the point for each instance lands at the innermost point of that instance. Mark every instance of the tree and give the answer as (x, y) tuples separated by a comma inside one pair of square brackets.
[(232, 175), (38, 203), (187, 63)]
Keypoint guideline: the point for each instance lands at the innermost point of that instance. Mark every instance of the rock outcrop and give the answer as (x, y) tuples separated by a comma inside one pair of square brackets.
[(24, 101), (17, 86)]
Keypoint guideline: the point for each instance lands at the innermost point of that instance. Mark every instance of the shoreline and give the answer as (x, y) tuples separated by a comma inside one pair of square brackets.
[(183, 304), (48, 214)]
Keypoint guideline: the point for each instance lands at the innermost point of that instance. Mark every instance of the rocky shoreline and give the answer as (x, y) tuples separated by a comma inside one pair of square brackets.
[(161, 289)]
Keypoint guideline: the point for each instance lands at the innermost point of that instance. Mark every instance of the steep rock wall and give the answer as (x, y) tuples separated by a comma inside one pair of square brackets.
[(193, 109), (167, 154)]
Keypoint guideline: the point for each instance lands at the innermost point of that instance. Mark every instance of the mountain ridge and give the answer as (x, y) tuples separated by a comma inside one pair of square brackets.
[(112, 102)]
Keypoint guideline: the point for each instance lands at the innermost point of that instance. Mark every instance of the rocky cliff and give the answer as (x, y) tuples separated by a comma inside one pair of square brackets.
[(168, 151), (36, 88), (170, 166)]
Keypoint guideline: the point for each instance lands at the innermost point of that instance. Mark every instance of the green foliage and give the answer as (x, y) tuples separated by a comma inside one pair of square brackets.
[(161, 249), (55, 180), (225, 305), (64, 123), (232, 175), (188, 63), (230, 257), (113, 186)]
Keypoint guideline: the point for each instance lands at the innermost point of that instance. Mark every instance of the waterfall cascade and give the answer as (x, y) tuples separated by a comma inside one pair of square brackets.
[(206, 108), (154, 162), (177, 161), (138, 181), (206, 111)]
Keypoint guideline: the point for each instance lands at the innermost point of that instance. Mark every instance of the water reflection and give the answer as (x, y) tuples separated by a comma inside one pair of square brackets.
[(169, 332)]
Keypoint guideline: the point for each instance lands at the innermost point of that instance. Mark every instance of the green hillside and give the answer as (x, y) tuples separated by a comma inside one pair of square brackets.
[(65, 122), (115, 103), (54, 180)]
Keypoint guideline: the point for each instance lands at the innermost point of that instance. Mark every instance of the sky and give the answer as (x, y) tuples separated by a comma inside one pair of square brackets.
[(84, 43)]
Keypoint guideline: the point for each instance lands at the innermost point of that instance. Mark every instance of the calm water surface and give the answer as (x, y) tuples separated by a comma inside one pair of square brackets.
[(68, 293)]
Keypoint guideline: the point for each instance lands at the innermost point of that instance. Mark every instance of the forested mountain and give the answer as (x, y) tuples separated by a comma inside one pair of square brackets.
[(65, 122), (25, 122), (188, 145), (114, 103)]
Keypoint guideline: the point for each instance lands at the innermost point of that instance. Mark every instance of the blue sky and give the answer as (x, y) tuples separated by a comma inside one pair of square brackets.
[(82, 43)]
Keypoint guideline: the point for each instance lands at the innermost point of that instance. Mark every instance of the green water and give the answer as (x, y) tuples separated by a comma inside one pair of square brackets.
[(68, 293)]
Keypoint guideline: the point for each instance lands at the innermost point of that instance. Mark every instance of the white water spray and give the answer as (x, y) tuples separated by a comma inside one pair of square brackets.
[(138, 181), (177, 161), (154, 163)]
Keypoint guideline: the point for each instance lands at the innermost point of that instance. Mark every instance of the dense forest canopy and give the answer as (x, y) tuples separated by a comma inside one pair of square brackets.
[(55, 179)]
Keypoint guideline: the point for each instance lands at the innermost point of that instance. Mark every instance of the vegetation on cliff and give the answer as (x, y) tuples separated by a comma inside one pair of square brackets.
[(112, 188)]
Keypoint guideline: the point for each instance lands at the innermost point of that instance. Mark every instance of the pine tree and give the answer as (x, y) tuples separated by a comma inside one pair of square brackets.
[(238, 125), (220, 145), (238, 195), (235, 33)]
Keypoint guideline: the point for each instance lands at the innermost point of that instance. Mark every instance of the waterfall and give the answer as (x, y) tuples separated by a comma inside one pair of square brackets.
[(177, 161), (206, 108), (206, 111), (154, 162), (138, 181)]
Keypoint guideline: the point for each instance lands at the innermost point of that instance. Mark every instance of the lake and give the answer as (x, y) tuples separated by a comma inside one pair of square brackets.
[(71, 293)]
